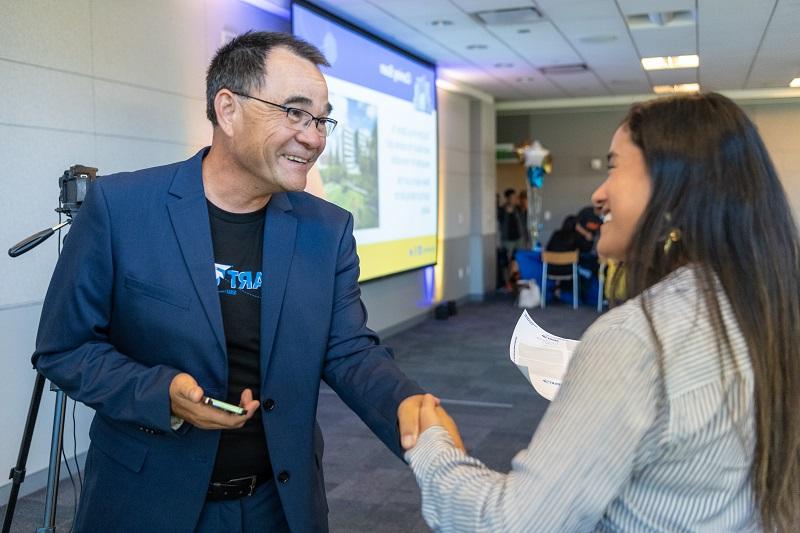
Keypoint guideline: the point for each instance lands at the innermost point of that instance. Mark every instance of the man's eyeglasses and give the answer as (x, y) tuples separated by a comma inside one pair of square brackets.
[(299, 119)]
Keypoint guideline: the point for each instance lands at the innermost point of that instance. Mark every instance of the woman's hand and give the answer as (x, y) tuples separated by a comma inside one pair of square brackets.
[(432, 414)]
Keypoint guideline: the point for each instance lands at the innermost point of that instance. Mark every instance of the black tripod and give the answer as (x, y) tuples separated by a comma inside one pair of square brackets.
[(73, 185), (17, 474)]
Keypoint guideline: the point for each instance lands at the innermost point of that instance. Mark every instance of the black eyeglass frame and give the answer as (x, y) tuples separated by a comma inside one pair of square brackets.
[(329, 123)]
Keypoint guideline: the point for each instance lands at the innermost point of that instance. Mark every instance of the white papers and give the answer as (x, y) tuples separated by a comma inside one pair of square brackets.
[(541, 356)]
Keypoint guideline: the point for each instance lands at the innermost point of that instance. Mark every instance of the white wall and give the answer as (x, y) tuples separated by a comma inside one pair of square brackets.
[(119, 85), (779, 125), (466, 203)]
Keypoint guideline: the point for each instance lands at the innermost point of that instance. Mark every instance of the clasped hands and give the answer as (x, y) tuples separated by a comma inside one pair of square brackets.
[(419, 412)]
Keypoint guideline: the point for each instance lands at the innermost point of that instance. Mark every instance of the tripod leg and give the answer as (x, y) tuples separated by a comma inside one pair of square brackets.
[(17, 474), (54, 471)]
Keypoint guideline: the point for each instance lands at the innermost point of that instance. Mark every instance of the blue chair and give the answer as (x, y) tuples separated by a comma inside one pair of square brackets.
[(560, 258), (529, 263)]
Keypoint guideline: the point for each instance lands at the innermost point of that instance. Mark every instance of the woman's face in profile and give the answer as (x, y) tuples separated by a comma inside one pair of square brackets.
[(623, 196)]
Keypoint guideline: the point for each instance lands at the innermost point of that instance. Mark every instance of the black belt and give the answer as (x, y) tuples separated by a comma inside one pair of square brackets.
[(233, 489)]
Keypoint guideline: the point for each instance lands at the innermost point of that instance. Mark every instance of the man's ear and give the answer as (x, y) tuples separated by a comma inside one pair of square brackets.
[(226, 108)]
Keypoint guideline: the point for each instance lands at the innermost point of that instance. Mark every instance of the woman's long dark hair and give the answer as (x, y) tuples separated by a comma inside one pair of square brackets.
[(713, 182)]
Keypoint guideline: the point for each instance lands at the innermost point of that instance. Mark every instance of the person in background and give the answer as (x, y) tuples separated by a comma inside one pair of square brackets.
[(588, 224), (509, 218), (218, 277), (565, 239), (588, 228), (500, 251), (510, 233), (680, 409), (525, 232)]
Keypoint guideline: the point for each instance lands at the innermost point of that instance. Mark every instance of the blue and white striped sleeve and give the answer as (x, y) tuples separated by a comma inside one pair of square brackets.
[(579, 459)]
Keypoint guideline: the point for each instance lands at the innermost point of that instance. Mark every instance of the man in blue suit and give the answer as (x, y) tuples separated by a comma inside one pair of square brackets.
[(218, 277)]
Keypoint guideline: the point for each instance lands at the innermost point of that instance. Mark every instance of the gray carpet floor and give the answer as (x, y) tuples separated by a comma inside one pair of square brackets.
[(463, 360)]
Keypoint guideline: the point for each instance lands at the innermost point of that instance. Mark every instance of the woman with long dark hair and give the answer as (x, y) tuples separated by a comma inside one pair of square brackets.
[(680, 410)]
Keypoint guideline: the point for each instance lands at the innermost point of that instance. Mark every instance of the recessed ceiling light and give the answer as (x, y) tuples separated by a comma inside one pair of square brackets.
[(477, 47), (795, 83), (598, 39), (503, 65), (680, 88), (573, 68), (514, 15), (669, 62), (441, 22), (524, 30), (661, 19)]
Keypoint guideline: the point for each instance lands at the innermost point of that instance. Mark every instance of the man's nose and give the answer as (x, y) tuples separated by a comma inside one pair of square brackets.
[(311, 136)]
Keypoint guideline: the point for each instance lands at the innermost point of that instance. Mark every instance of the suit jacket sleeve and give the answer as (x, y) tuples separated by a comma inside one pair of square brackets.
[(73, 345), (362, 371)]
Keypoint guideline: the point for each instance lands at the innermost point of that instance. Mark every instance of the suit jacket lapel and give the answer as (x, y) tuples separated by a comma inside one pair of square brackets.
[(280, 230), (189, 216)]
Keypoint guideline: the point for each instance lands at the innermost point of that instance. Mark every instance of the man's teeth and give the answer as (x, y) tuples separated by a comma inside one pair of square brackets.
[(607, 217), (297, 159)]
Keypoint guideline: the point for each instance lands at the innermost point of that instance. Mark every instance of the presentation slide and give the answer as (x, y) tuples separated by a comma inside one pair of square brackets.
[(381, 161)]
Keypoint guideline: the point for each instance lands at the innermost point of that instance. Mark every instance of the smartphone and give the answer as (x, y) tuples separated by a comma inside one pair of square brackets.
[(228, 407)]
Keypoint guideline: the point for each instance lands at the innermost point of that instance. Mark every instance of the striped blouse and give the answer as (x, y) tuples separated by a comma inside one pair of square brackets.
[(620, 448)]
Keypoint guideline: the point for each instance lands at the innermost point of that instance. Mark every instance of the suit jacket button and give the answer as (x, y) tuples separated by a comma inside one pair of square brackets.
[(283, 477), (269, 404)]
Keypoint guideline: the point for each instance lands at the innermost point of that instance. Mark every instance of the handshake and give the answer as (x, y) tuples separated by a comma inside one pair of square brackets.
[(417, 413)]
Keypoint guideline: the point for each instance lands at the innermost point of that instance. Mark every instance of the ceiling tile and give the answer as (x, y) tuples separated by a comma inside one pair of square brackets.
[(724, 62), (580, 84), (630, 7), (778, 60), (592, 32), (676, 41), (472, 6)]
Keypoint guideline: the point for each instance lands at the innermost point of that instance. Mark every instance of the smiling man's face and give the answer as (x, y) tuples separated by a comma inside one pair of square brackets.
[(276, 154)]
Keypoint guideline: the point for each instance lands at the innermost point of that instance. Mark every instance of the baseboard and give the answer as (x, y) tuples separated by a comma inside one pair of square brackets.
[(404, 325)]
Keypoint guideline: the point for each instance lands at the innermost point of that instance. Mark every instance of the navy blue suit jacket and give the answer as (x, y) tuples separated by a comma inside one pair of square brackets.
[(133, 302)]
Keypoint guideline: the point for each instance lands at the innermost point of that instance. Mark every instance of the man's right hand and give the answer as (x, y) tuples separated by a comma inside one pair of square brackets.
[(186, 397)]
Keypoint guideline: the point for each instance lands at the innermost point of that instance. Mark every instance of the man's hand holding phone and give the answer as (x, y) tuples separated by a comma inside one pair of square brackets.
[(187, 402)]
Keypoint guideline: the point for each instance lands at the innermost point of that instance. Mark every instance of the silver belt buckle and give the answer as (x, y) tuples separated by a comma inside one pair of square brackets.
[(252, 480)]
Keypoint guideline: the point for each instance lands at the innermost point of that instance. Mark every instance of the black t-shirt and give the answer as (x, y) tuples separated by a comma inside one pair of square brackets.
[(510, 225), (238, 241)]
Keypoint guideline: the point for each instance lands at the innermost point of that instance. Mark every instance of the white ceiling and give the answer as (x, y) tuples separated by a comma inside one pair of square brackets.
[(742, 44)]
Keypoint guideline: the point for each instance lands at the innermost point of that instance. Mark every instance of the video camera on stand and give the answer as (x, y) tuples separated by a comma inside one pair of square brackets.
[(73, 185)]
